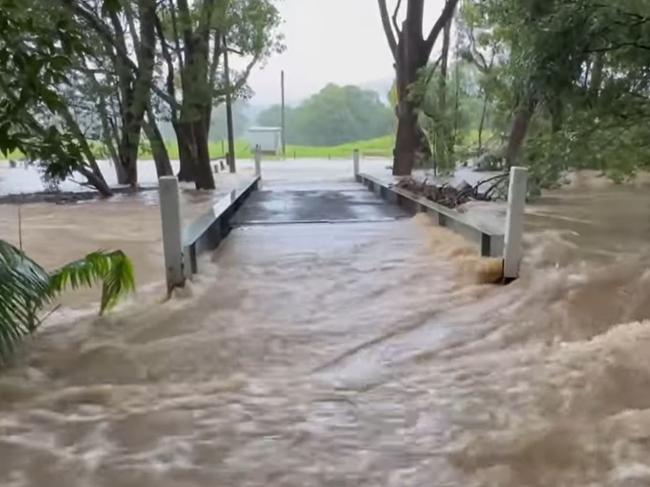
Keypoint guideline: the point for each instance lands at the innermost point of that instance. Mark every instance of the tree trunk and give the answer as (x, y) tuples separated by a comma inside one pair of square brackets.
[(408, 142), (91, 171), (556, 109), (186, 154), (444, 142), (193, 148), (193, 127), (481, 124), (97, 181), (128, 151), (519, 131), (158, 148), (135, 88), (411, 51), (596, 76)]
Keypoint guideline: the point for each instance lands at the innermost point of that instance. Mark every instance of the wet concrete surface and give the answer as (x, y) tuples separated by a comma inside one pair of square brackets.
[(347, 203)]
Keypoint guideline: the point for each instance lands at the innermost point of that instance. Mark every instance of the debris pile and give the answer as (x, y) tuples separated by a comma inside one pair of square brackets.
[(453, 196)]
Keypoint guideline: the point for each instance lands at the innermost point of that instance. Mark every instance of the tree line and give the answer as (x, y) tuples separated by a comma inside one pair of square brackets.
[(560, 84), (333, 116), (75, 72)]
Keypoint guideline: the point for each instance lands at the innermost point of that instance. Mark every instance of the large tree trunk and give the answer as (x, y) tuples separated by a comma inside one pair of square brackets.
[(186, 152), (411, 51), (412, 55), (135, 88), (193, 128), (193, 151), (519, 131), (408, 143)]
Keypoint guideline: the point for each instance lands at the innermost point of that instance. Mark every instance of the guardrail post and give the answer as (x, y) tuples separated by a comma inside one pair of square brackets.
[(355, 160), (258, 161), (512, 251), (170, 212)]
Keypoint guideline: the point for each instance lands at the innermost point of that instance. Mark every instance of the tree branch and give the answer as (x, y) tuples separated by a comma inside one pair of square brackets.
[(622, 45), (388, 30), (447, 13), (216, 52), (399, 4), (131, 23), (167, 56), (177, 42)]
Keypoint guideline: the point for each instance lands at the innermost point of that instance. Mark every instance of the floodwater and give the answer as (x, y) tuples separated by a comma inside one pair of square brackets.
[(358, 354)]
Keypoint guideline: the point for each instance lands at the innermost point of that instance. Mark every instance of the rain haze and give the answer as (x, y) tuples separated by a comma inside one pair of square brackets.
[(329, 41)]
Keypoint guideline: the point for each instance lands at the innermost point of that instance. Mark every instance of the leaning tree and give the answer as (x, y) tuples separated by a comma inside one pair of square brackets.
[(411, 51)]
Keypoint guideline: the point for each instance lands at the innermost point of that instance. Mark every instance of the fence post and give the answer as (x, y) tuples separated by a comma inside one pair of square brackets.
[(258, 161), (355, 160), (170, 212), (512, 251)]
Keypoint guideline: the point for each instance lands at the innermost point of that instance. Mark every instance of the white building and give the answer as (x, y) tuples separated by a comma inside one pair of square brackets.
[(268, 138)]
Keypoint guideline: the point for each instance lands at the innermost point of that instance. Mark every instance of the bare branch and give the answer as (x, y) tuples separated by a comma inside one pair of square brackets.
[(447, 13), (167, 56), (131, 23), (216, 52), (388, 30), (622, 45), (399, 4)]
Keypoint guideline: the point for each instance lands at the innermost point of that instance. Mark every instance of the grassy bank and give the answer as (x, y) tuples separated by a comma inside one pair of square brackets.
[(380, 147)]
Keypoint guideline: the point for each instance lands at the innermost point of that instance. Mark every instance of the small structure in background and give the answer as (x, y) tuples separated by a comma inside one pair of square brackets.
[(269, 139)]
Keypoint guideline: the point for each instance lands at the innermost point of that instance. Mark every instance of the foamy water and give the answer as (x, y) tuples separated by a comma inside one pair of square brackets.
[(323, 356)]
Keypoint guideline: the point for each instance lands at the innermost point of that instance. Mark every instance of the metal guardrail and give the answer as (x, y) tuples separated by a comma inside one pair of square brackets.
[(491, 243)]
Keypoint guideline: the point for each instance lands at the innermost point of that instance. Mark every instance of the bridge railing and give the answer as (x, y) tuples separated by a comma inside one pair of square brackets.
[(184, 243), (506, 244)]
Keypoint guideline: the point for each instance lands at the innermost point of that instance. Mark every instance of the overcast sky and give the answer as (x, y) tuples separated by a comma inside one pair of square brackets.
[(339, 41)]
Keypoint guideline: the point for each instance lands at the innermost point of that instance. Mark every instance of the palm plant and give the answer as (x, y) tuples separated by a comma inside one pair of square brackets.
[(26, 288)]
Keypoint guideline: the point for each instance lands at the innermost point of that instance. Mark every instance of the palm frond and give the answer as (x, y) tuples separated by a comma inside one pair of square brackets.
[(25, 287), (23, 291), (113, 269)]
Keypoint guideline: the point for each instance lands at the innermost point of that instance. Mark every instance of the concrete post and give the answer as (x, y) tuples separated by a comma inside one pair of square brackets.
[(258, 161), (355, 160), (512, 251), (170, 212)]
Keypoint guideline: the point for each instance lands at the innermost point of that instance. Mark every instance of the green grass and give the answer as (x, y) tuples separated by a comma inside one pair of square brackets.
[(380, 147)]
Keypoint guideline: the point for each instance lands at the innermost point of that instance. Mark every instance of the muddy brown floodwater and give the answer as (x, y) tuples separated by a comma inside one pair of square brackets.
[(358, 354)]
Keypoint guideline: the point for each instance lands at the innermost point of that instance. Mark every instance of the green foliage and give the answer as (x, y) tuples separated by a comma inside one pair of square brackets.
[(113, 270), (37, 44), (335, 115), (582, 65), (448, 112), (26, 288)]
